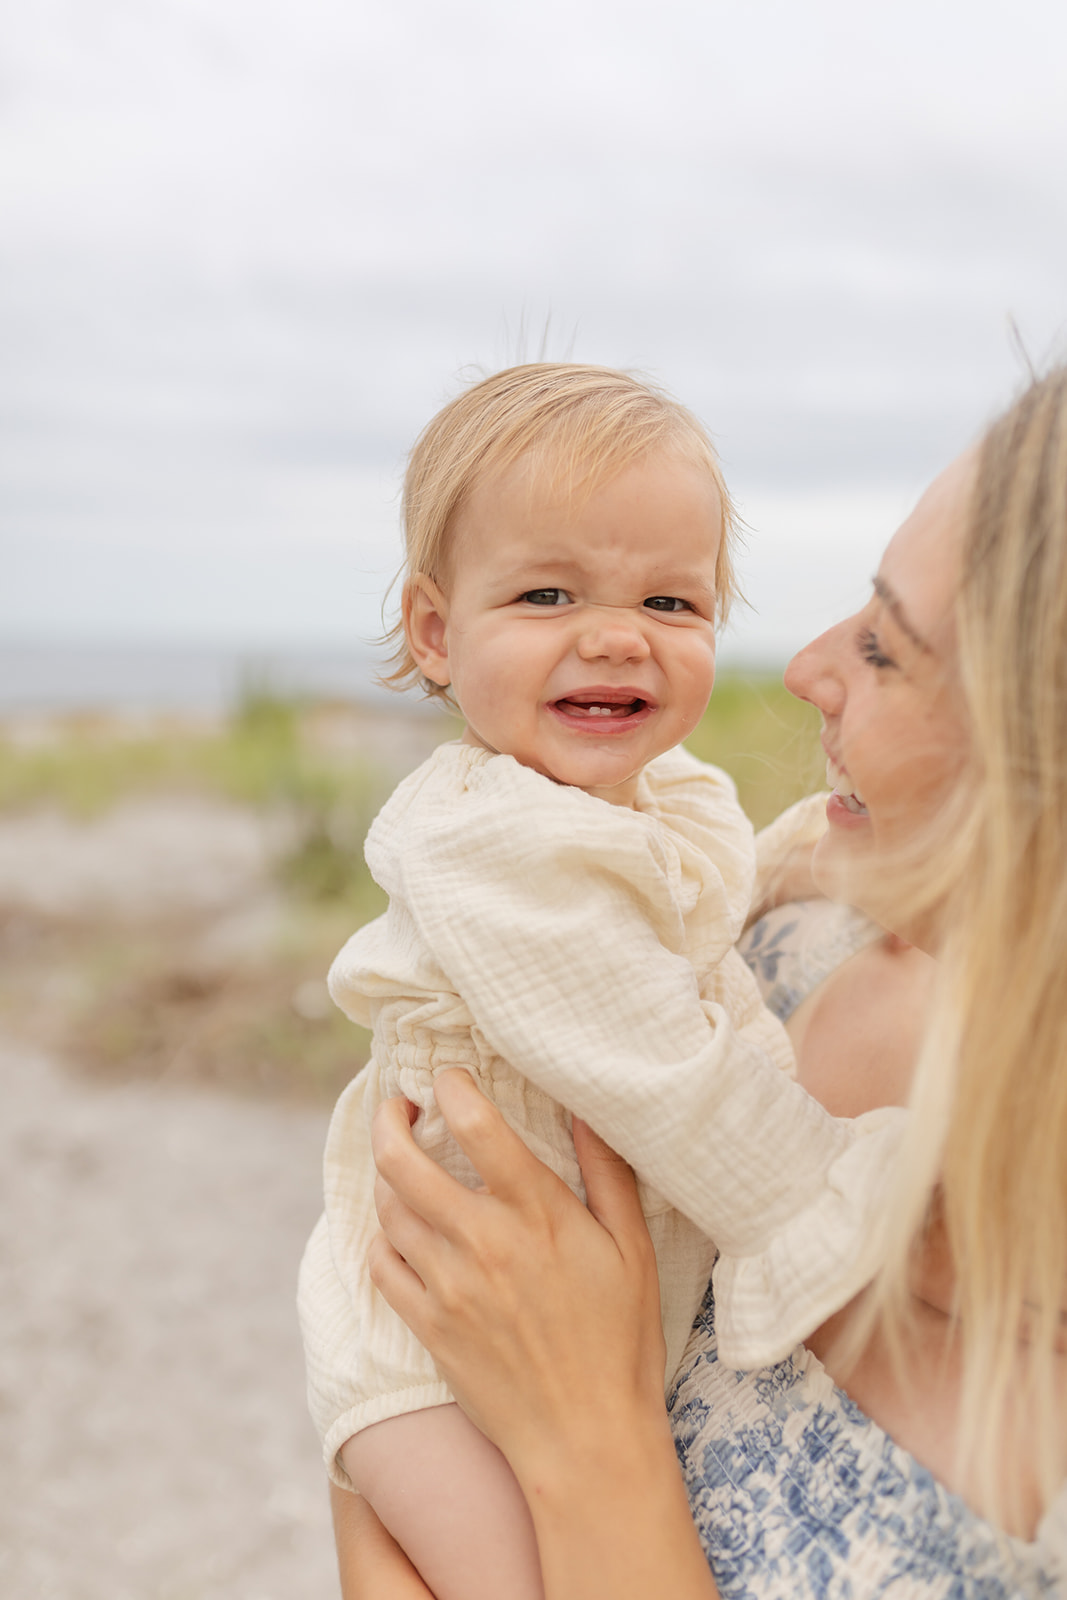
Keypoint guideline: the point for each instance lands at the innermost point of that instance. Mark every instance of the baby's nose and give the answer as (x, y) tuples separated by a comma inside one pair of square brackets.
[(613, 635)]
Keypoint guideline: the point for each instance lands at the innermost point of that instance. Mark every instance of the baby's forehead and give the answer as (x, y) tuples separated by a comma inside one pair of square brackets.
[(548, 509), (560, 473), (567, 464)]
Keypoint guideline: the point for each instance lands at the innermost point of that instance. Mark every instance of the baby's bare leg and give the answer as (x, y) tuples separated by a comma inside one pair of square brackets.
[(450, 1501)]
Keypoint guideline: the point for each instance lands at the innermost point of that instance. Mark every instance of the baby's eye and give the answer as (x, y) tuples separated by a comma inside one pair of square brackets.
[(667, 602), (545, 597)]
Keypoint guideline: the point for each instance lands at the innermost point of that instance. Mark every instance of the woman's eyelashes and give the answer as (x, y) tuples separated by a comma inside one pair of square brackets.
[(870, 649)]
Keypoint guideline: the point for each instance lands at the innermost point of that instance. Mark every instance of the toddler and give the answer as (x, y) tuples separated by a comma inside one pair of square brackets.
[(566, 886)]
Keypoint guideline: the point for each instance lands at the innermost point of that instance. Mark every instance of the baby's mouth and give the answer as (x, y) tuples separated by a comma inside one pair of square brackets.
[(597, 706), (841, 784)]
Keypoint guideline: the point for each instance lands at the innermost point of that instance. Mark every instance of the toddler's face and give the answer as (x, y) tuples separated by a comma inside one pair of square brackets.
[(578, 632)]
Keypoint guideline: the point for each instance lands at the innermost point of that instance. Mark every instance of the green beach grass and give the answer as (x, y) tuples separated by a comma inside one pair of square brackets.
[(143, 1001), (263, 757)]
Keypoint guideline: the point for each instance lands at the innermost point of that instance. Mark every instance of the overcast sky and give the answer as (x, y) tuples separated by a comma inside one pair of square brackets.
[(249, 246)]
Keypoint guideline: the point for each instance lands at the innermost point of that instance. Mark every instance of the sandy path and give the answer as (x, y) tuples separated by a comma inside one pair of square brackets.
[(153, 1438)]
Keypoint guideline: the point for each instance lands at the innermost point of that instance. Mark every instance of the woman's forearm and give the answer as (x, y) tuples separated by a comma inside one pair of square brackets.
[(614, 1519)]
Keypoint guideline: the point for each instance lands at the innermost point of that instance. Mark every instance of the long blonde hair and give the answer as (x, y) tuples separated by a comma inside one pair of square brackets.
[(989, 1123), (585, 423)]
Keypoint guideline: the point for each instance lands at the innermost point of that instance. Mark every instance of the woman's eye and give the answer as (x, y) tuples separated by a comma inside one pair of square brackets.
[(871, 651), (667, 602), (545, 597)]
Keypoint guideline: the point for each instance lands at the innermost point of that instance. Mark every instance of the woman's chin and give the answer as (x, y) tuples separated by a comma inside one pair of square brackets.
[(843, 868)]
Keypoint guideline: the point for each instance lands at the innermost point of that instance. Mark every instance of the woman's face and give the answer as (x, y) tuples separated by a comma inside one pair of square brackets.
[(887, 686)]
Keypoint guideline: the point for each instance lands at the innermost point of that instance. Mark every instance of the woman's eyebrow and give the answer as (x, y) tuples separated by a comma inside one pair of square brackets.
[(892, 603)]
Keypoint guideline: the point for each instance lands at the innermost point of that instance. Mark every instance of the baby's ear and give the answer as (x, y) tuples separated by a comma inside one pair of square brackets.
[(425, 611)]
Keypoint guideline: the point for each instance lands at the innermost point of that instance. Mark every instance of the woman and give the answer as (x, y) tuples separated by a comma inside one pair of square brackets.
[(944, 706)]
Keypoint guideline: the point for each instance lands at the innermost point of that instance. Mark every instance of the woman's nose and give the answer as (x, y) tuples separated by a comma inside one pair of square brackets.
[(814, 673), (612, 636)]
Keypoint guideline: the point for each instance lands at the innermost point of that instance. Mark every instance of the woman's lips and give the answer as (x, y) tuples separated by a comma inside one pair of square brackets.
[(844, 791)]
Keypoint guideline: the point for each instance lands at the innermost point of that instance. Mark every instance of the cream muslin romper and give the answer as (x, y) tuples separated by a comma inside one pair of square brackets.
[(577, 957)]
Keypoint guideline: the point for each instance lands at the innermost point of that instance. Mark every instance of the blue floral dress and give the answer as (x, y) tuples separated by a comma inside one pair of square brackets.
[(795, 946), (798, 1495)]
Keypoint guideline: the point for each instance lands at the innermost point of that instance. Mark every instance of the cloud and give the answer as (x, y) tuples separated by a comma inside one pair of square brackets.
[(251, 247)]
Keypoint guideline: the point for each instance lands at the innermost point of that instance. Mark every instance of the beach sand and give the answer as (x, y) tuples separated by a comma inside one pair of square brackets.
[(154, 1443), (154, 1439)]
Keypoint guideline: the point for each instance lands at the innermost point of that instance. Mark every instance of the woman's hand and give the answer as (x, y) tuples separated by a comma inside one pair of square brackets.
[(544, 1319), (542, 1316)]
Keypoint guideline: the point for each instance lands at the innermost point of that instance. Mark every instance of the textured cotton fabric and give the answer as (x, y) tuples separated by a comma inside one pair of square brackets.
[(570, 953), (795, 1491)]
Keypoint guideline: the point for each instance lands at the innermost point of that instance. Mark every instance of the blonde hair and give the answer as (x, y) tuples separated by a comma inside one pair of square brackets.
[(586, 423), (989, 1105)]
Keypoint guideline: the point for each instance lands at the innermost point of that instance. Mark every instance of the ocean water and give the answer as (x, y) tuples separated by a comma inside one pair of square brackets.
[(64, 677), (805, 562)]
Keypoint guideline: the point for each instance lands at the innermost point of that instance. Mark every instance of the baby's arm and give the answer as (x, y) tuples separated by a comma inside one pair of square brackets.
[(451, 1502), (368, 1557)]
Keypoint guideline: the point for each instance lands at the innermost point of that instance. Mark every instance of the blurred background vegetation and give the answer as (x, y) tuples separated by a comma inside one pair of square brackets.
[(235, 993)]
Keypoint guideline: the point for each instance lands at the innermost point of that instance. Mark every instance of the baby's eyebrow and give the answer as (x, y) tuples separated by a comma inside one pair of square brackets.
[(683, 580), (539, 565), (531, 571), (891, 600)]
